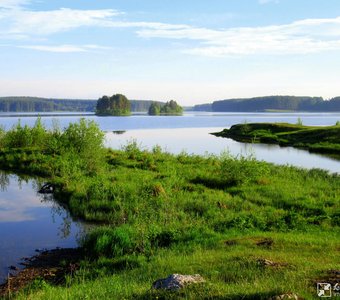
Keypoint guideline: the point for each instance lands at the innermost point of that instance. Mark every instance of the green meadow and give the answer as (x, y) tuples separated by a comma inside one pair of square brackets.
[(252, 229)]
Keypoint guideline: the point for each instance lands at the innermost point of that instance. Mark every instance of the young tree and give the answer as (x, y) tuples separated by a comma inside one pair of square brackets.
[(85, 140)]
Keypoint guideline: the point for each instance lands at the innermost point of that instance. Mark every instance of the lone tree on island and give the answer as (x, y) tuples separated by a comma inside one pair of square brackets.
[(116, 105)]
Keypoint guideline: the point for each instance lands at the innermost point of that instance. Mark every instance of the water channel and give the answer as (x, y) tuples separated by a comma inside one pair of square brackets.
[(30, 221)]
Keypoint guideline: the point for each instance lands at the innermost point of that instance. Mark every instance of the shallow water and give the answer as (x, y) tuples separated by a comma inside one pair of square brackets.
[(200, 141), (30, 221)]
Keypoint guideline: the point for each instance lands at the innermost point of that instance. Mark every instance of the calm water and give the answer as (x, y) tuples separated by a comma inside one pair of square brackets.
[(190, 133), (30, 221), (188, 120), (200, 141)]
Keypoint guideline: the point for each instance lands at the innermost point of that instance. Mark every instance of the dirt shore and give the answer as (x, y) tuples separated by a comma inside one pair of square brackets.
[(50, 265)]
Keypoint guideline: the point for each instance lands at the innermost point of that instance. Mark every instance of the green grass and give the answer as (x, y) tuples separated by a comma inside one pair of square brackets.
[(159, 213), (325, 139), (231, 271)]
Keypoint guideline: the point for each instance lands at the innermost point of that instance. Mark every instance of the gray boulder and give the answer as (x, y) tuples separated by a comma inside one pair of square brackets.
[(285, 296), (177, 281)]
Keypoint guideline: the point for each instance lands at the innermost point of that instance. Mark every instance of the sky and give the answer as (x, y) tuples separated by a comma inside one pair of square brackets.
[(192, 51)]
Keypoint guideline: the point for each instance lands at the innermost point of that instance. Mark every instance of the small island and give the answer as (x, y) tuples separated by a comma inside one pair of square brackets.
[(116, 105), (325, 139), (169, 108)]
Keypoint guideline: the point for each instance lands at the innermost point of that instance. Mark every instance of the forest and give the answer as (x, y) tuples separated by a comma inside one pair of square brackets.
[(272, 103), (37, 104), (256, 104)]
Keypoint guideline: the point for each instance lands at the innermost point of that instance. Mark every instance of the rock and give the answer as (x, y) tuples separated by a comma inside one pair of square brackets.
[(177, 281), (285, 296), (330, 276), (14, 268), (230, 242), (268, 263), (265, 242), (47, 188)]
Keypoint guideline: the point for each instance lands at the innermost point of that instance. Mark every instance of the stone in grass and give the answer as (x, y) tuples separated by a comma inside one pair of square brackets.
[(177, 281), (268, 263)]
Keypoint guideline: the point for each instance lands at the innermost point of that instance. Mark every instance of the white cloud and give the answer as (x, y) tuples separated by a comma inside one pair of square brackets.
[(148, 25), (268, 1), (300, 37), (49, 22), (11, 4), (60, 48), (64, 48)]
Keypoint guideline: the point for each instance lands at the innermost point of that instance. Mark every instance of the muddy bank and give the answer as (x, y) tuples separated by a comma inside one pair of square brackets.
[(49, 265)]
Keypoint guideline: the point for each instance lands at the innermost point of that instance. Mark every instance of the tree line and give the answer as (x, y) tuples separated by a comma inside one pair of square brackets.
[(38, 104), (268, 103)]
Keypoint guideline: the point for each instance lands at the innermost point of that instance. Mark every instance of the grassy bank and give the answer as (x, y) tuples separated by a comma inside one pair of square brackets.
[(159, 214), (325, 139)]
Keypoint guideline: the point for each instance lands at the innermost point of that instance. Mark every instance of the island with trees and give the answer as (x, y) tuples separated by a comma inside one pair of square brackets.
[(319, 139), (169, 108), (116, 105)]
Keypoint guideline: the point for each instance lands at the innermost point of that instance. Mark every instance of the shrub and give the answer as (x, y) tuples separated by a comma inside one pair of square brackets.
[(110, 242), (132, 148), (242, 169), (86, 140)]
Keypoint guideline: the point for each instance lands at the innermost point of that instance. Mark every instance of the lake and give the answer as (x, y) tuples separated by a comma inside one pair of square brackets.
[(30, 221)]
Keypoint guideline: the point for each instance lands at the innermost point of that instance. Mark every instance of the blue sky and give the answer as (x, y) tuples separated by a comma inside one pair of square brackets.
[(193, 51)]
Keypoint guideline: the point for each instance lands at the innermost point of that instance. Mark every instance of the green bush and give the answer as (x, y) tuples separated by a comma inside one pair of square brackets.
[(85, 140), (242, 169), (110, 242)]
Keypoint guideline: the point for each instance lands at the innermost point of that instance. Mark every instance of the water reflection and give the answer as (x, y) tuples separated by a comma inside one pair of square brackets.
[(118, 132), (29, 221), (58, 214), (4, 181), (200, 141)]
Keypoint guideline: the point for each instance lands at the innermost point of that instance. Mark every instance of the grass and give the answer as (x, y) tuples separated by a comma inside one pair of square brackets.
[(231, 271), (218, 216), (318, 139)]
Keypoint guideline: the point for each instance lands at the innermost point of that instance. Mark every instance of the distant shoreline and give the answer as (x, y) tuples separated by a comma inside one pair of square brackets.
[(44, 114)]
